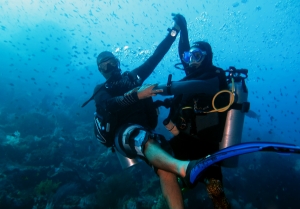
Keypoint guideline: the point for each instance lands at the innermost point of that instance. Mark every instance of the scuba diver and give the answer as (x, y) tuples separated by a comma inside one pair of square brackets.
[(126, 116), (197, 133), (206, 119)]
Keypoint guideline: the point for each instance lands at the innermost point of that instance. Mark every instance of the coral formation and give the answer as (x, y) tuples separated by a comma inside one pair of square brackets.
[(46, 187)]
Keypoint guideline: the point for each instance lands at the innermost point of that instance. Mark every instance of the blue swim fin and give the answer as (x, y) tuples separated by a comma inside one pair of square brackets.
[(240, 149)]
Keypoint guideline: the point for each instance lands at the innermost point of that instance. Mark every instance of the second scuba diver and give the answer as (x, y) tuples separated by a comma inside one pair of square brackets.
[(197, 133)]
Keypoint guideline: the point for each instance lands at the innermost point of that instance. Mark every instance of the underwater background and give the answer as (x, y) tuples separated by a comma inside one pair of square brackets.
[(49, 157)]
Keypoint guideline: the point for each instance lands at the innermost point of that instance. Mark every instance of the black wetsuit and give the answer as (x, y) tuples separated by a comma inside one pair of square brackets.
[(110, 99), (209, 127)]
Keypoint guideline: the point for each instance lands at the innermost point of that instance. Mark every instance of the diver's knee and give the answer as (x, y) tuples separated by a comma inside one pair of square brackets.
[(150, 142)]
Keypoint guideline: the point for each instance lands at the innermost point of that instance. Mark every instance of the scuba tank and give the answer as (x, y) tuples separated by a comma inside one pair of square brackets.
[(233, 129)]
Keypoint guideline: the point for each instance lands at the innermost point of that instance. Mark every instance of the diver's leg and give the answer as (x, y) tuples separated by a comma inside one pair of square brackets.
[(163, 160), (215, 191), (140, 142), (170, 189)]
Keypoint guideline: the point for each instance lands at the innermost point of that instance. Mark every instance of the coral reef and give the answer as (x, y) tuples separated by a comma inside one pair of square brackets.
[(46, 187)]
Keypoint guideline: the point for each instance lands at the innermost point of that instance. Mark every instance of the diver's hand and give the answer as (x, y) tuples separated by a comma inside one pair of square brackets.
[(147, 91), (179, 20)]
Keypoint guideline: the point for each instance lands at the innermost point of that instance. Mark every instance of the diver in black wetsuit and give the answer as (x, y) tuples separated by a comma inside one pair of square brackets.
[(199, 132), (126, 117)]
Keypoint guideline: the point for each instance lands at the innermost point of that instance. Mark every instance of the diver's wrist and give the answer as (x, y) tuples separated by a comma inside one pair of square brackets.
[(173, 32)]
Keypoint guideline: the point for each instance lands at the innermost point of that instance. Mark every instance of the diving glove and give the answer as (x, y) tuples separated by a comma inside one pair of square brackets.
[(179, 20)]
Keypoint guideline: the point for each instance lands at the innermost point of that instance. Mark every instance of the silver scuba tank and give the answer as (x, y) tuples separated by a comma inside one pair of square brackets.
[(233, 129)]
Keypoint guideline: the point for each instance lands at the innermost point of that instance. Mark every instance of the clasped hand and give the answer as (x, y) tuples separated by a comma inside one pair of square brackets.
[(180, 22), (145, 91)]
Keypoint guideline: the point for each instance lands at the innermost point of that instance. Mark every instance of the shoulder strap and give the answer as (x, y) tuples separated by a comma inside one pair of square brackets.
[(92, 97)]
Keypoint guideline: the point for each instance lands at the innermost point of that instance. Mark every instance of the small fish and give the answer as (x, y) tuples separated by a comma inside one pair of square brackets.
[(252, 114)]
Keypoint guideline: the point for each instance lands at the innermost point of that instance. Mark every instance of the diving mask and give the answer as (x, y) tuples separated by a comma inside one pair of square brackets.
[(194, 55), (109, 68), (109, 65)]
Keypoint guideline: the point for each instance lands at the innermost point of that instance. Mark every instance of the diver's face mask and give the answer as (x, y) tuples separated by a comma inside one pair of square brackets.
[(194, 57), (109, 67)]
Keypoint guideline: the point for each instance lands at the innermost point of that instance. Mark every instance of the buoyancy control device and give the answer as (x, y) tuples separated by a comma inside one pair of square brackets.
[(236, 108)]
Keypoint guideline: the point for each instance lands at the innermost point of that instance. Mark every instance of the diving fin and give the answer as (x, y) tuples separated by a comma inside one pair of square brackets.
[(240, 149)]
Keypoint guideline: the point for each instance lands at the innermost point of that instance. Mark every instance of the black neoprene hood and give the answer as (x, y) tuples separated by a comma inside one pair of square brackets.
[(204, 46), (104, 56)]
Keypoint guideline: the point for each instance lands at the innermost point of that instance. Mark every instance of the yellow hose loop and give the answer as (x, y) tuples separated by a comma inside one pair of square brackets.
[(231, 101), (222, 109)]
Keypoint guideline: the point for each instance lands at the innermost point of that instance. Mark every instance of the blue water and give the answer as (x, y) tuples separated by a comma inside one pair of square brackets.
[(48, 53)]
